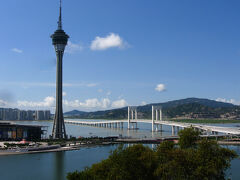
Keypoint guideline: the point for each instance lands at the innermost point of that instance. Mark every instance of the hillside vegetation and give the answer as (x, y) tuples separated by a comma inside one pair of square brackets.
[(190, 108)]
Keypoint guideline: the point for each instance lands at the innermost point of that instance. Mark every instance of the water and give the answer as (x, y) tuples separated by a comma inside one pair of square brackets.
[(233, 172), (86, 131), (50, 166), (145, 129), (56, 165)]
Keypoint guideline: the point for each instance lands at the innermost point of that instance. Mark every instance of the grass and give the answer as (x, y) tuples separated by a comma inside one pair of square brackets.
[(210, 121)]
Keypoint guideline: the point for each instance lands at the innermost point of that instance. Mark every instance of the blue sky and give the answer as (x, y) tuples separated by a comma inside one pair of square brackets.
[(120, 52)]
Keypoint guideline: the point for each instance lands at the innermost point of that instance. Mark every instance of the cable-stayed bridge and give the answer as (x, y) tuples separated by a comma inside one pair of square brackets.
[(157, 122)]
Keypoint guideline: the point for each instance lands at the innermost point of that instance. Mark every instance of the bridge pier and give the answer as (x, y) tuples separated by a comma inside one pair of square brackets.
[(175, 126), (173, 130), (157, 110), (178, 128), (132, 111)]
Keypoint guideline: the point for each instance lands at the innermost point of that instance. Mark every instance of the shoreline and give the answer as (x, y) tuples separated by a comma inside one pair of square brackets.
[(60, 149), (78, 147)]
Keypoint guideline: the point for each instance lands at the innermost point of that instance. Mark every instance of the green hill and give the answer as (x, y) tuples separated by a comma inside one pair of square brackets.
[(183, 108)]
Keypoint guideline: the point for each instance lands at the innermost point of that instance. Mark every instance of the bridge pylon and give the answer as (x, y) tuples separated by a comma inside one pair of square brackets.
[(132, 115), (156, 116)]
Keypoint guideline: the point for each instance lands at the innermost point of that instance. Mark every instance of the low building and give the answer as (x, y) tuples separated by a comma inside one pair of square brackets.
[(12, 132)]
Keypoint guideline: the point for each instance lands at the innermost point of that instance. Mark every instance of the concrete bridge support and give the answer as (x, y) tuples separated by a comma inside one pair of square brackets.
[(178, 128), (132, 115), (173, 130), (156, 116), (208, 130)]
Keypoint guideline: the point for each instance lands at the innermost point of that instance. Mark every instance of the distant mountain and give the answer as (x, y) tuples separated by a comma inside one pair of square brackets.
[(75, 113), (190, 107), (205, 102)]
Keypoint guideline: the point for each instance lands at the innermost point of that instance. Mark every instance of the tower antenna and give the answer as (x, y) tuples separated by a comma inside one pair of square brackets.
[(60, 16)]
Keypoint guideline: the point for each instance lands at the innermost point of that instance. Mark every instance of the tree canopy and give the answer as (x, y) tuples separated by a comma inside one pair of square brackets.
[(190, 160)]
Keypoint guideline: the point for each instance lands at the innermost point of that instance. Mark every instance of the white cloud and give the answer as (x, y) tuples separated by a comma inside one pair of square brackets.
[(100, 90), (91, 103), (109, 93), (88, 104), (110, 41), (16, 50), (95, 103), (3, 103), (91, 84), (47, 102), (160, 87), (64, 94), (119, 103), (143, 103), (106, 102), (121, 96), (232, 101), (73, 48)]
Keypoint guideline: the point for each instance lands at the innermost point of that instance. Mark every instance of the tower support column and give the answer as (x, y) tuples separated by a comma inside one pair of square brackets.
[(59, 40)]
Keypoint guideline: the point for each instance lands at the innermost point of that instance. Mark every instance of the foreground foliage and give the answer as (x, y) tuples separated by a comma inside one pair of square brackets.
[(190, 160)]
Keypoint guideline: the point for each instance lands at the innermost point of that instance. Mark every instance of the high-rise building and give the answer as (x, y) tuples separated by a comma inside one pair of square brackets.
[(10, 114), (22, 115), (30, 115), (14, 114), (39, 115), (1, 113), (47, 115), (59, 40)]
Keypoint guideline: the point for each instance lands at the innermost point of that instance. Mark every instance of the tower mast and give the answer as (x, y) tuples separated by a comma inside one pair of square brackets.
[(59, 40)]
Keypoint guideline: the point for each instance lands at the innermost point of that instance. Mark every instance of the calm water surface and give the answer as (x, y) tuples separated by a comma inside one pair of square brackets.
[(54, 166)]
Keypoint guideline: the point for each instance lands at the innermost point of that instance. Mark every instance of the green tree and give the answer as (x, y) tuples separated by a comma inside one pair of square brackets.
[(188, 138), (189, 161), (135, 162)]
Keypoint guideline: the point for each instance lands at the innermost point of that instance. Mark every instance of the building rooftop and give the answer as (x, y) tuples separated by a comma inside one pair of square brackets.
[(3, 123)]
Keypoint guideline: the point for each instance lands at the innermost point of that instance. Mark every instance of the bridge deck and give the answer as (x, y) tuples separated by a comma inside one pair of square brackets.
[(226, 130)]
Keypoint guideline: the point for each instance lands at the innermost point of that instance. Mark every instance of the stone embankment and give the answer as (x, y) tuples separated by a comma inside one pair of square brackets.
[(77, 145)]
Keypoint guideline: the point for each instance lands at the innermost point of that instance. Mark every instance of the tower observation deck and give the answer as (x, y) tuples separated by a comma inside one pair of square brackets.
[(59, 40)]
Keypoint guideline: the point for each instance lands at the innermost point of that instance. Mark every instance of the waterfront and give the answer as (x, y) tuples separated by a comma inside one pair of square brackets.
[(50, 166), (87, 131), (56, 165)]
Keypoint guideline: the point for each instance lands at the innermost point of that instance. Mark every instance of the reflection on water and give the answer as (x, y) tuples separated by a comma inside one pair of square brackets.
[(56, 165), (50, 166), (145, 129), (233, 172), (59, 165)]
